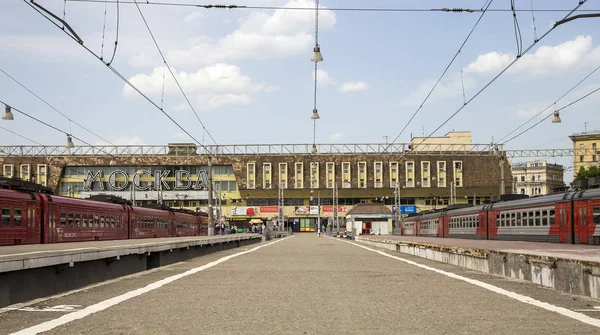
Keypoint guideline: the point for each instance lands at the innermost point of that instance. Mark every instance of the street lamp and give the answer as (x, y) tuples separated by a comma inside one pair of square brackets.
[(69, 144), (7, 115)]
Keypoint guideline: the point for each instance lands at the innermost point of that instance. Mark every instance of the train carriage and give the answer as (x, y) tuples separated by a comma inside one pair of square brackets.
[(185, 223), (149, 223), (410, 226), (466, 223), (75, 220), (431, 224), (533, 219), (586, 217), (21, 217)]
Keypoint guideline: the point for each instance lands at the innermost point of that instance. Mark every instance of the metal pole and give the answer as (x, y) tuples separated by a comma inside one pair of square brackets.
[(319, 210), (211, 219)]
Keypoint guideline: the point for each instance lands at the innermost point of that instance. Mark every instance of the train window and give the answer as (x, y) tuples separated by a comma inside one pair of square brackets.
[(63, 219), (77, 220), (17, 217), (552, 218), (596, 213), (71, 220), (84, 219), (538, 218), (101, 221), (5, 217)]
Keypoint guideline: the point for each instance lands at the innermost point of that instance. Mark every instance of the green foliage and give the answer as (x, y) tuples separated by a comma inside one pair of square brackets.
[(591, 171)]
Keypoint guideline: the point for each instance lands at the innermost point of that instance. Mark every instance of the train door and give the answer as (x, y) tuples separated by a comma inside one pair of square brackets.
[(33, 220), (564, 231), (593, 216), (50, 224), (580, 222), (482, 223)]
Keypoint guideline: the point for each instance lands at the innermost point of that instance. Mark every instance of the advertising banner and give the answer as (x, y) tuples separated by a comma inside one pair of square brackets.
[(269, 209), (329, 209), (242, 211)]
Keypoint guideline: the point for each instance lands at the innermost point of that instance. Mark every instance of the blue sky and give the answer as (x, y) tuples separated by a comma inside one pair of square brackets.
[(249, 76)]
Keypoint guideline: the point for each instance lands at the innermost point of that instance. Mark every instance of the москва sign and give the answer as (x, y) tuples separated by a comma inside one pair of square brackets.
[(182, 180)]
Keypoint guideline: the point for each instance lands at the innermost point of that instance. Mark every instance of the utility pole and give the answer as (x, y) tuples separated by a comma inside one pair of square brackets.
[(211, 219), (335, 208), (281, 206), (398, 209), (452, 193), (502, 175)]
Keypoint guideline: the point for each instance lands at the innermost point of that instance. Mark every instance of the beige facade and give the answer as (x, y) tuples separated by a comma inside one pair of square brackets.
[(452, 141), (537, 178), (586, 149)]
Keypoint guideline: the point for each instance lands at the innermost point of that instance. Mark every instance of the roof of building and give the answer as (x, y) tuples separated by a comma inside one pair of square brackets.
[(586, 133), (369, 208)]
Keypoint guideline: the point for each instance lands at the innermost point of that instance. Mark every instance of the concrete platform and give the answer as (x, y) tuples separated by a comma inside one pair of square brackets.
[(573, 269), (32, 271)]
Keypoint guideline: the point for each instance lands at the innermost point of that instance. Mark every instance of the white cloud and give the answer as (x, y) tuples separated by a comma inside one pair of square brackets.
[(260, 35), (128, 140), (180, 135), (193, 18), (336, 136), (451, 87), (353, 87), (546, 59), (324, 78), (212, 87)]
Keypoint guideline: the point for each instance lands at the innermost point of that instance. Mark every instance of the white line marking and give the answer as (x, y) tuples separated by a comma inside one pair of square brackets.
[(60, 295), (519, 297), (48, 251), (49, 325)]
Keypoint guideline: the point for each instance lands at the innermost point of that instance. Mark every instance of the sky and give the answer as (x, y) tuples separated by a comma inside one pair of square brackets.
[(249, 76)]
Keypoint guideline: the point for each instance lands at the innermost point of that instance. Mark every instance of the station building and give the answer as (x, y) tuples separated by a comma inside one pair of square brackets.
[(537, 178), (247, 178)]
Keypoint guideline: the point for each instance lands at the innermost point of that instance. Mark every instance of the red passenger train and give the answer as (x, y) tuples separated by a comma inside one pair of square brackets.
[(572, 217), (34, 217)]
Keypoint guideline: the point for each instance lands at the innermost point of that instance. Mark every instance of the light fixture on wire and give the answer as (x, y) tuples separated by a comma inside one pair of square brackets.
[(69, 144), (317, 56), (112, 162), (556, 118), (7, 115), (315, 114), (314, 149)]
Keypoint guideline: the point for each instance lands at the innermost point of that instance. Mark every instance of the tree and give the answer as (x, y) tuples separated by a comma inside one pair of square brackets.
[(590, 172)]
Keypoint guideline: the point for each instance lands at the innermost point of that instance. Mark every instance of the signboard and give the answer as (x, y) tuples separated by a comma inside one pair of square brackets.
[(406, 209), (242, 211), (329, 209), (118, 180), (307, 210), (269, 209)]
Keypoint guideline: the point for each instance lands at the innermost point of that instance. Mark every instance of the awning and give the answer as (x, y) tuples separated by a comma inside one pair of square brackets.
[(256, 221)]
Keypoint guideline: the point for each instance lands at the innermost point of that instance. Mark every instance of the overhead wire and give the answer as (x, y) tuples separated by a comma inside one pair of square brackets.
[(558, 110), (580, 3), (341, 9), (487, 5), (54, 108), (171, 71), (116, 37), (56, 128), (552, 104), (77, 39), (21, 136)]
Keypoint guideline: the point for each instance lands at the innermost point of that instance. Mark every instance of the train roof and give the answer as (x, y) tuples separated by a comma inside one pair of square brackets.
[(12, 194), (149, 211), (23, 186), (57, 199), (587, 194), (466, 210), (545, 200)]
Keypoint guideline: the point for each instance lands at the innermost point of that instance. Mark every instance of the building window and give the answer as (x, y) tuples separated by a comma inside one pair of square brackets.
[(441, 173), (346, 175), (251, 175), (425, 174), (330, 174), (458, 173), (393, 174), (25, 172), (299, 175), (7, 170), (283, 175), (266, 175), (362, 174), (314, 174), (42, 174), (378, 174), (410, 174)]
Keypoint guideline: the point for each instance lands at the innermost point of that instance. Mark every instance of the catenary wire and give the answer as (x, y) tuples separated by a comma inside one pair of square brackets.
[(341, 9), (55, 128), (54, 108), (21, 136), (440, 78), (118, 74), (171, 71), (551, 114), (580, 3), (552, 104)]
